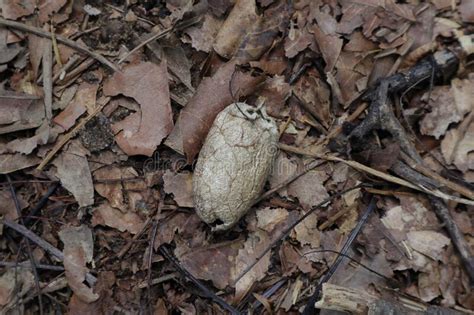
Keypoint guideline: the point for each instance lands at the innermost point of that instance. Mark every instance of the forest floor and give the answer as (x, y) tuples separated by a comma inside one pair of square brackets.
[(104, 108)]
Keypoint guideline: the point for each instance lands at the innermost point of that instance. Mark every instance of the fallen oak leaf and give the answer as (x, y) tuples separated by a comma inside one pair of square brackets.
[(140, 133)]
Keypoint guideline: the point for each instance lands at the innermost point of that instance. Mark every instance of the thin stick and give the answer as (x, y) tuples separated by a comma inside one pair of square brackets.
[(309, 308), (456, 236), (150, 261), (48, 81), (39, 32), (159, 35), (208, 293), (28, 246), (41, 203), (42, 243), (27, 264), (390, 178), (287, 231)]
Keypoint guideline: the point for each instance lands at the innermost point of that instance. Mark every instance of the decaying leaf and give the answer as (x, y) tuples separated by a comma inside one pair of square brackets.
[(240, 21), (7, 205), (309, 188), (448, 105), (202, 37), (212, 96), (458, 145), (147, 83), (255, 244), (20, 111), (85, 98), (181, 186), (13, 162), (74, 173), (14, 9), (78, 251), (107, 216), (14, 284), (215, 263)]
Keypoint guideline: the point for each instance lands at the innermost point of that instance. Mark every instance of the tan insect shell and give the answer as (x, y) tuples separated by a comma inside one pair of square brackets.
[(234, 164)]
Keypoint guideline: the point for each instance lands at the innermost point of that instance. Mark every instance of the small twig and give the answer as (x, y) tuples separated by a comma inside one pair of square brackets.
[(69, 64), (39, 32), (150, 260), (27, 264), (42, 243), (48, 81), (129, 244), (28, 246), (57, 55), (159, 35), (390, 178), (208, 293), (41, 203), (287, 231), (456, 236), (309, 309)]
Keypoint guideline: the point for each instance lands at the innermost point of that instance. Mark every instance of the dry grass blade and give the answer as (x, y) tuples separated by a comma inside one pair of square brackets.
[(390, 178)]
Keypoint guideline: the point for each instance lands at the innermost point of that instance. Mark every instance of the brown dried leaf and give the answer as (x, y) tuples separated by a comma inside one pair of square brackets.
[(255, 244), (74, 173), (275, 91), (7, 205), (299, 40), (14, 284), (329, 45), (283, 169), (211, 97), (7, 52), (315, 96), (147, 83), (240, 21), (466, 9), (458, 145), (43, 135), (261, 37), (180, 185), (20, 111), (213, 263), (48, 7), (129, 221), (14, 9), (268, 219), (85, 98), (202, 37), (428, 283), (14, 162), (78, 251), (113, 191), (220, 7), (309, 188), (429, 243), (307, 231)]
